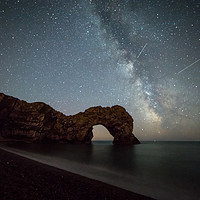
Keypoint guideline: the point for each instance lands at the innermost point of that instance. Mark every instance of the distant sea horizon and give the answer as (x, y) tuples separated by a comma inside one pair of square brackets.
[(159, 169)]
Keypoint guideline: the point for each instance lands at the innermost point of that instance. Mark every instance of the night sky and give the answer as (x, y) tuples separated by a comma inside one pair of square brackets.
[(73, 54)]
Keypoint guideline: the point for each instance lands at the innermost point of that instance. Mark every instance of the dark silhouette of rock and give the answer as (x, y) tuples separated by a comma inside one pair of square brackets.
[(20, 120)]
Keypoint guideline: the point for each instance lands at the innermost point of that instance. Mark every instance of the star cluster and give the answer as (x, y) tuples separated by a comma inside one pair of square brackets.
[(143, 55)]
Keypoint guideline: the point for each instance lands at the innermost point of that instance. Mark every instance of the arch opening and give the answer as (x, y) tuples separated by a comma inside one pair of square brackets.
[(100, 132)]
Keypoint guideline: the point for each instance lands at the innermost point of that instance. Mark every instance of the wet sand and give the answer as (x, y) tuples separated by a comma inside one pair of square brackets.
[(25, 179)]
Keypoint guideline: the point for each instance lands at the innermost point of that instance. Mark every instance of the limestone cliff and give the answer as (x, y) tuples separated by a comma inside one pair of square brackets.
[(39, 122)]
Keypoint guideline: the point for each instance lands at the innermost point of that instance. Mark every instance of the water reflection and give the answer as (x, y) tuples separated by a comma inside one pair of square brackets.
[(99, 153)]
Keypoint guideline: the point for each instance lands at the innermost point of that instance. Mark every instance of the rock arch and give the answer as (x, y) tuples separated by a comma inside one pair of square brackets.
[(90, 133), (118, 122), (100, 132), (39, 122)]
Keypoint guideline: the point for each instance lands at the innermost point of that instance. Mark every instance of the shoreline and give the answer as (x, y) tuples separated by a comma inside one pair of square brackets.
[(23, 178)]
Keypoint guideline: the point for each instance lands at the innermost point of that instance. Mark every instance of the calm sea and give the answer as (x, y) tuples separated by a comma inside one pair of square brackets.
[(163, 170)]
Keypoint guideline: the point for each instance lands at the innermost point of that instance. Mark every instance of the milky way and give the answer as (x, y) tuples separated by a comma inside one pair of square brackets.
[(143, 55)]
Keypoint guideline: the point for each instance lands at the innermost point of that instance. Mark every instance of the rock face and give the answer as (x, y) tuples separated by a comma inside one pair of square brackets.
[(20, 120)]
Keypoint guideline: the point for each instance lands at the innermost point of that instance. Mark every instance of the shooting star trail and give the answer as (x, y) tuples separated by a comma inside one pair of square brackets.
[(188, 66), (142, 50)]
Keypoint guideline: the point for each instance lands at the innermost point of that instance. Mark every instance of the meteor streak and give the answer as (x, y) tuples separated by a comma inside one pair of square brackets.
[(188, 66), (142, 50)]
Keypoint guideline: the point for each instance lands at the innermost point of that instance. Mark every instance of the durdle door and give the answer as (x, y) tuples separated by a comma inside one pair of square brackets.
[(34, 122)]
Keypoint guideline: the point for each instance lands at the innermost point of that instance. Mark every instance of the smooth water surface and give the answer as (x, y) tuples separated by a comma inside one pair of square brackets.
[(163, 170)]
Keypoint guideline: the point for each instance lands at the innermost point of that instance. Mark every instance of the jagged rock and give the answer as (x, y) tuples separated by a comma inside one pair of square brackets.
[(39, 122)]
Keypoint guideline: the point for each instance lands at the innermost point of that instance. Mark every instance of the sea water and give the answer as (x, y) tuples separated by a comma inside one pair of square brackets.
[(162, 170)]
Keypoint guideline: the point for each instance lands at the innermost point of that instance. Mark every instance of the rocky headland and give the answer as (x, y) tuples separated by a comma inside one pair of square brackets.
[(37, 121)]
